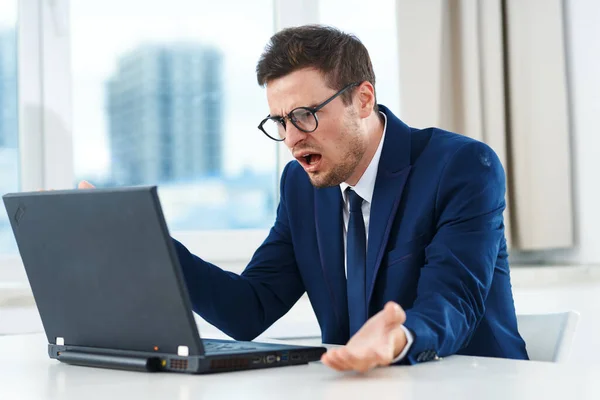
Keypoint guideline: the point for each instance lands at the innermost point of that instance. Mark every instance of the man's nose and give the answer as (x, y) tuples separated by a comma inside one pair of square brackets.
[(293, 135)]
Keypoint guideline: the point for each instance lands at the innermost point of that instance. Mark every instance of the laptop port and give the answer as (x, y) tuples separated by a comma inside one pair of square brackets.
[(284, 357), (270, 359), (256, 360), (295, 357), (180, 364)]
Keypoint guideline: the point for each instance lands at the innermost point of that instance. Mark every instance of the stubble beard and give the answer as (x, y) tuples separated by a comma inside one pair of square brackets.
[(355, 150)]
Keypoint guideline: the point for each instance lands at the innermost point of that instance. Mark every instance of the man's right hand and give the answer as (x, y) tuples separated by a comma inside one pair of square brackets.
[(85, 185)]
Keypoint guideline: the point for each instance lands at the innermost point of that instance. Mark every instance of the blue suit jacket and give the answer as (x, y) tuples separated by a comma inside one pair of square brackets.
[(436, 247)]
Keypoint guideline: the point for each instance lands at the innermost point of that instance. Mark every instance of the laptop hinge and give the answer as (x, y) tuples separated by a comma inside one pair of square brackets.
[(146, 364)]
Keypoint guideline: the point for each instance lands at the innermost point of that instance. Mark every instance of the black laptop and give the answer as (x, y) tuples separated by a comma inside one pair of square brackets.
[(109, 288)]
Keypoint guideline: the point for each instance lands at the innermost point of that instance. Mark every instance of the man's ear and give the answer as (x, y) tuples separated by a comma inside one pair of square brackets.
[(365, 95)]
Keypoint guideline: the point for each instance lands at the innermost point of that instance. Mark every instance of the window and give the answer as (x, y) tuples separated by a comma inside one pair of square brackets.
[(9, 158), (123, 80), (165, 93), (377, 30)]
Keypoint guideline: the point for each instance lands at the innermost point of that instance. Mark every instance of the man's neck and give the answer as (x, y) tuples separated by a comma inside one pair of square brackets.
[(374, 133)]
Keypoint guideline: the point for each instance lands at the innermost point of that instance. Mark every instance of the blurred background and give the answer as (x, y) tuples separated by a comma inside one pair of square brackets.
[(155, 92)]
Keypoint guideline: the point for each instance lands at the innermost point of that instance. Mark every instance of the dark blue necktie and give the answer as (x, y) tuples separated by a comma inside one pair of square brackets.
[(356, 256)]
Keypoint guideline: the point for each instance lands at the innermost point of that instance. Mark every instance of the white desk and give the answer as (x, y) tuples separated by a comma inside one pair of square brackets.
[(26, 373)]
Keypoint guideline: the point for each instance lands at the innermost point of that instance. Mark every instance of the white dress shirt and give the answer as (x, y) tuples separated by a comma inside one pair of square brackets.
[(364, 188)]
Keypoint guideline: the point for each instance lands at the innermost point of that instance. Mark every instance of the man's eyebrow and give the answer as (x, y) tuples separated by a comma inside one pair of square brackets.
[(311, 105), (314, 104)]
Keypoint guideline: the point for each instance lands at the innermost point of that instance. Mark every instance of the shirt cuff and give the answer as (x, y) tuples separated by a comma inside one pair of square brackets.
[(409, 342)]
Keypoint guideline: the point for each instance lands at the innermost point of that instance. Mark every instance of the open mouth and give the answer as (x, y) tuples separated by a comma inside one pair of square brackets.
[(311, 159)]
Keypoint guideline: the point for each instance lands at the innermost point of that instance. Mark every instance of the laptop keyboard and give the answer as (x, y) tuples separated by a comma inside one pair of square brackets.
[(218, 346)]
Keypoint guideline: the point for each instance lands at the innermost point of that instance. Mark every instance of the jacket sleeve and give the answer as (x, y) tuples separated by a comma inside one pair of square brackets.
[(243, 306), (460, 260)]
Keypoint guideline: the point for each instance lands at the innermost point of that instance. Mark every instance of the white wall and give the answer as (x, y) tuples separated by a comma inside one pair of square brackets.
[(582, 32), (583, 54)]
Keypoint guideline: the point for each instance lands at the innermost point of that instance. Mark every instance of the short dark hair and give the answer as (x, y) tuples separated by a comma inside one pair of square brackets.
[(341, 57)]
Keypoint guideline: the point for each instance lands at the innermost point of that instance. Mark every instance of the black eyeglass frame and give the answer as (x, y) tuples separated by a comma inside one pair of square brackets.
[(312, 110)]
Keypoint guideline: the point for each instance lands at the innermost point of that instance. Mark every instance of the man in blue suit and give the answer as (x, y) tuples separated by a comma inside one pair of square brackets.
[(395, 233)]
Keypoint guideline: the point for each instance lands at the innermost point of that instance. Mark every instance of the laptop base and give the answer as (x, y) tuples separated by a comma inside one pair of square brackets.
[(161, 362)]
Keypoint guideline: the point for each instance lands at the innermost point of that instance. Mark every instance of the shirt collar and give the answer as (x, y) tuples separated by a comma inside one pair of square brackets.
[(366, 184)]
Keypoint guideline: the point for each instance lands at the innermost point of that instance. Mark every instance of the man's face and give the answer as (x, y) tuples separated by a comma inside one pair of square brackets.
[(330, 154)]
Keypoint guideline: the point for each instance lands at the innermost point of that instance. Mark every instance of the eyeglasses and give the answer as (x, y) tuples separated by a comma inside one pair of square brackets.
[(303, 118)]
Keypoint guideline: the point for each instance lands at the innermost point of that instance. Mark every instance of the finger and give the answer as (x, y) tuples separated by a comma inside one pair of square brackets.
[(349, 360), (365, 365), (346, 359), (369, 362), (340, 358), (329, 360), (361, 361), (85, 185), (394, 313)]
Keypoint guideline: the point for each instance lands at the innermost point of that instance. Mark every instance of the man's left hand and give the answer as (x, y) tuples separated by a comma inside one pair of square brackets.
[(377, 343)]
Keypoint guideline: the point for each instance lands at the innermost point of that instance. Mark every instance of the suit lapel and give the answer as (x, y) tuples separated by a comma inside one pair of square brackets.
[(392, 174), (386, 197), (329, 225)]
